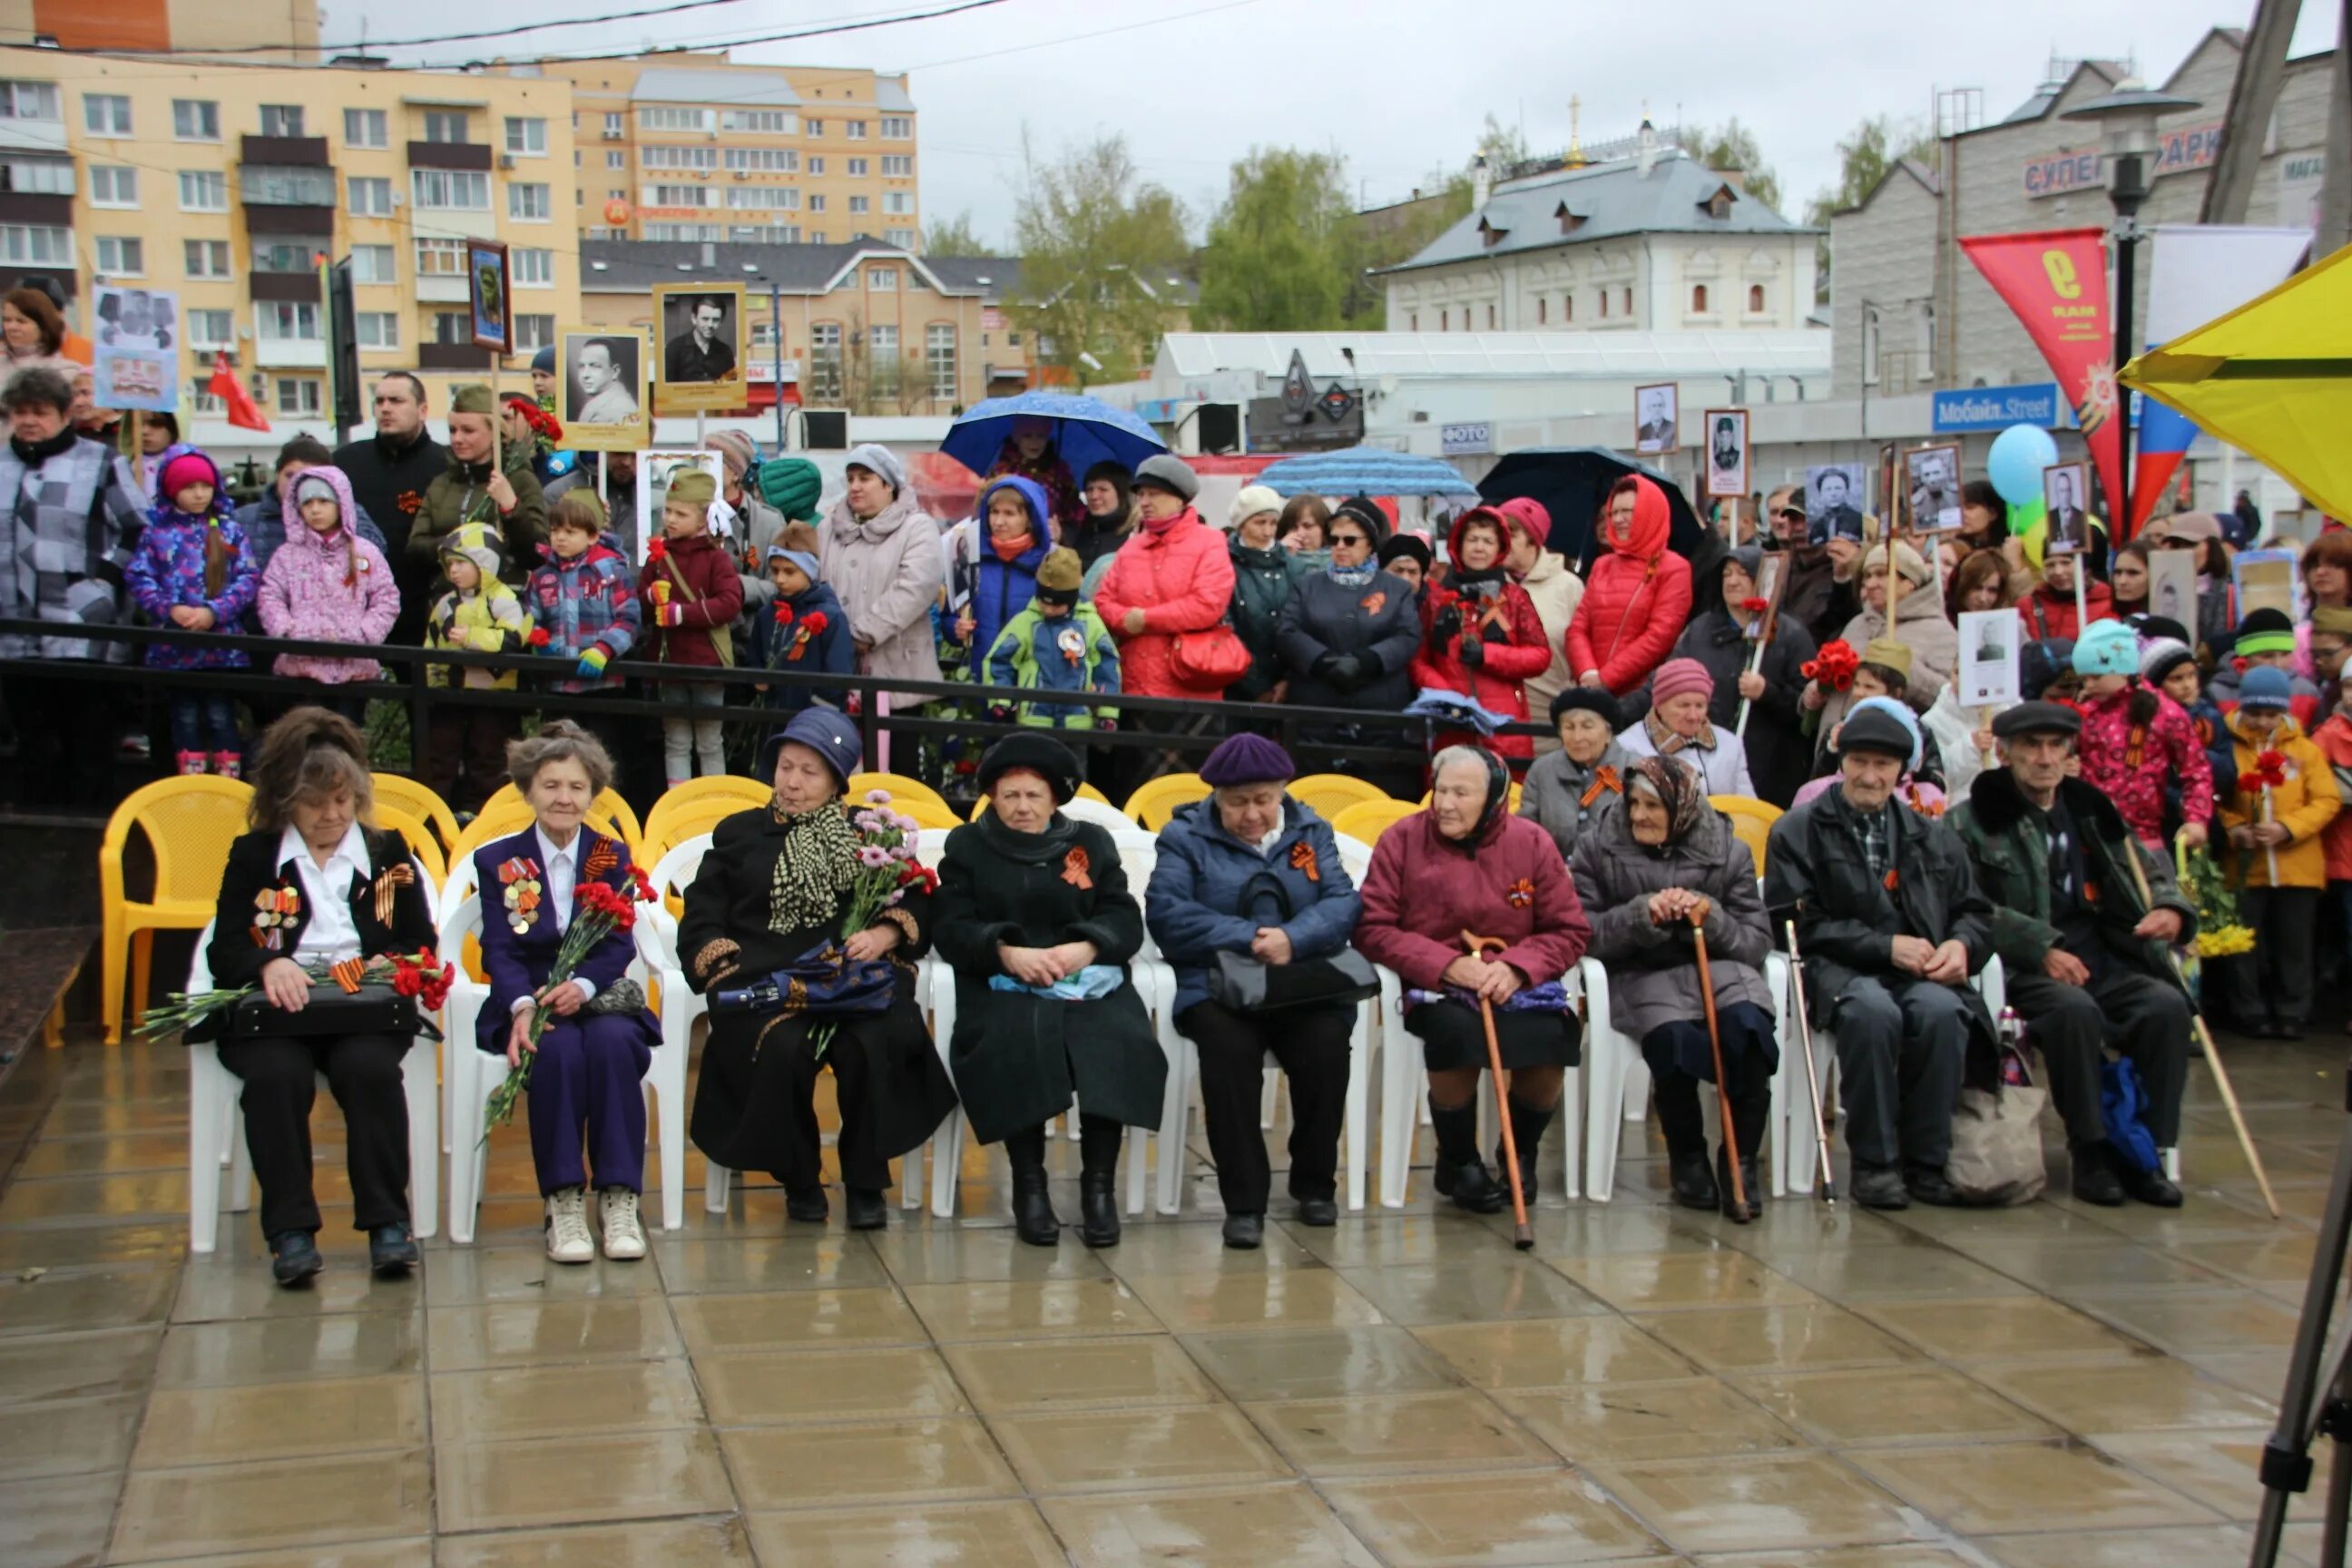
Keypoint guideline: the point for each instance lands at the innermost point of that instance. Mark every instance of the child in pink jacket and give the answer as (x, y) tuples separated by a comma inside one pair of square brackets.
[(326, 584)]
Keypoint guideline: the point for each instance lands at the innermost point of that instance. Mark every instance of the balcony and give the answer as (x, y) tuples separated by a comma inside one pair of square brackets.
[(291, 199), (33, 136), (285, 288), (440, 289), (290, 353), (450, 155), (293, 152), (452, 356), (39, 211)]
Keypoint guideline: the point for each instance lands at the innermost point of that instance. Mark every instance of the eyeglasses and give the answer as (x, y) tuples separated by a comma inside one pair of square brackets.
[(1347, 539)]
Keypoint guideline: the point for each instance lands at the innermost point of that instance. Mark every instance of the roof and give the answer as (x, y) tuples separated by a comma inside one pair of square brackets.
[(735, 88), (1928, 178), (2045, 97), (1613, 199), (1613, 355), (996, 277), (634, 265), (890, 94)]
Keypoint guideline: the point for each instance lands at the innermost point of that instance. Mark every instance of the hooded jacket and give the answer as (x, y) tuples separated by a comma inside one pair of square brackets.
[(697, 574), (587, 602), (805, 635), (1639, 597), (1178, 574), (1780, 752), (167, 571), (264, 520), (1511, 641), (994, 589), (887, 571), (1919, 626), (1263, 582), (305, 596), (1654, 970), (460, 495), (1210, 892), (489, 619), (1555, 590), (2305, 803)]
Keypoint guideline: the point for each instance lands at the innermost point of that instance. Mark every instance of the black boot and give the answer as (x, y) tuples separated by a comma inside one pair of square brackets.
[(805, 1205), (865, 1208), (1693, 1179), (1098, 1207), (1034, 1219), (1461, 1174), (1527, 1125)]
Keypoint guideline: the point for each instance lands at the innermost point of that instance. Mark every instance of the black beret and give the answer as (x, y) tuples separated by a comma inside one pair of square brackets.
[(1041, 754), (2036, 718), (1591, 699)]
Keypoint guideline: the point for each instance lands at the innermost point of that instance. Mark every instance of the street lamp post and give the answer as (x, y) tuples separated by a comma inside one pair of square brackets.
[(2127, 118)]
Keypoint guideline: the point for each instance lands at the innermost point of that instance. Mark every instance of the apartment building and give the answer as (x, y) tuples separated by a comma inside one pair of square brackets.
[(694, 147), (225, 183), (285, 28)]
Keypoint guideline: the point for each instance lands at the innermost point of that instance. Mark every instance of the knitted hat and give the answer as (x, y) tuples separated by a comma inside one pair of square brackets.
[(1251, 501), (2266, 630), (478, 544), (2161, 657), (2265, 686), (313, 482), (1164, 471), (1246, 758), (545, 360), (829, 734), (1586, 699), (1530, 517), (1677, 677), (2043, 661), (1888, 654), (1883, 725), (472, 398), (879, 461), (1368, 516), (691, 487), (1059, 576), (792, 485), (2106, 648), (1398, 545), (187, 468), (1040, 755), (735, 449), (2157, 627), (802, 559), (2036, 718)]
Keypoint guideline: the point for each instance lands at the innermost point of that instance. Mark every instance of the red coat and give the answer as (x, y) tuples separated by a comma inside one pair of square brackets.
[(1635, 601), (1181, 576), (1515, 652), (2333, 740), (703, 564), (2049, 615), (1512, 886)]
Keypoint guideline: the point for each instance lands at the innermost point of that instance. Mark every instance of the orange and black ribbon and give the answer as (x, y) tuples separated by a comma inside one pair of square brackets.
[(600, 858), (1302, 860), (1603, 777), (1074, 869), (387, 882), (347, 973)]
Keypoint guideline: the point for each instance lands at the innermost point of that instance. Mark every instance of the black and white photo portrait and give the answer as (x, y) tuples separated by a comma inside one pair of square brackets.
[(699, 342), (1931, 478), (1727, 451), (604, 391), (2065, 490), (1656, 418), (1833, 497)]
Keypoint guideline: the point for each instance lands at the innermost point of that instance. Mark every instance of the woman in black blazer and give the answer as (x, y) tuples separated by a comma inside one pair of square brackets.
[(311, 885)]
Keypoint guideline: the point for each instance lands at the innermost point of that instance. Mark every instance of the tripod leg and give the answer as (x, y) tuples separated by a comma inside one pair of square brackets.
[(2285, 1467)]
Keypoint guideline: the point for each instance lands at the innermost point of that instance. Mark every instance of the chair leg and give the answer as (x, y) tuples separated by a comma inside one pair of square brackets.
[(1572, 1130), (947, 1164), (142, 965), (1637, 1089), (1400, 1118), (714, 1188), (467, 1153), (1358, 1113), (419, 1078), (209, 1086), (669, 1102), (113, 958), (1175, 1113)]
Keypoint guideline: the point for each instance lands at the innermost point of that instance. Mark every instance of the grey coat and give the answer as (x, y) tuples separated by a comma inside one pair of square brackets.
[(1653, 973), (1553, 797)]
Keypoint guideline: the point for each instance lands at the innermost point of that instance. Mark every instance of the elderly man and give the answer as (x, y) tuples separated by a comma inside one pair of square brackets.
[(1892, 926), (2083, 935), (390, 472)]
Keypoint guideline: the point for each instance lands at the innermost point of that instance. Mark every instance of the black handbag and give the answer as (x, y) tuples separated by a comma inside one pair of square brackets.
[(373, 1009), (1245, 983)]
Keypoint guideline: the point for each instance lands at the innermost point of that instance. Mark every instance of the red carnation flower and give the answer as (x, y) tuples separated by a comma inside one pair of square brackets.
[(657, 552), (1755, 605), (783, 614), (539, 637), (1835, 665)]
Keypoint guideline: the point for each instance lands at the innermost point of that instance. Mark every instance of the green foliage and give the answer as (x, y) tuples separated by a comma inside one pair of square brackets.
[(1089, 229), (1865, 155), (1283, 249), (1732, 147), (954, 237)]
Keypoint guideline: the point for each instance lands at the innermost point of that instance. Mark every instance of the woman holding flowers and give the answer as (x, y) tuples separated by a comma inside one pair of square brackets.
[(1035, 914), (816, 895), (583, 1025), (312, 885)]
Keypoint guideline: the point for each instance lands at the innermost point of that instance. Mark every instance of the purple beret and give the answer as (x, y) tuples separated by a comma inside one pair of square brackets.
[(1247, 759)]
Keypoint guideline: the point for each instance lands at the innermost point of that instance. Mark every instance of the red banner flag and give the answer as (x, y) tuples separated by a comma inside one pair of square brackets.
[(225, 386), (2056, 281)]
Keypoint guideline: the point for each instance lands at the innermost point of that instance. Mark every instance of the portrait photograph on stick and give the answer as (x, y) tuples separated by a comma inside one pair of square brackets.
[(486, 296), (604, 392), (700, 367), (1656, 418), (2065, 489), (1727, 452), (1932, 480), (1989, 673), (1833, 497)]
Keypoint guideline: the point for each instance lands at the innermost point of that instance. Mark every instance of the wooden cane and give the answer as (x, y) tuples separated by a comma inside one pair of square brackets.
[(1523, 1235), (1740, 1213)]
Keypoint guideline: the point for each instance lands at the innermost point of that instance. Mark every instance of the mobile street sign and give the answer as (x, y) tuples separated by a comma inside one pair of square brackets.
[(1999, 408)]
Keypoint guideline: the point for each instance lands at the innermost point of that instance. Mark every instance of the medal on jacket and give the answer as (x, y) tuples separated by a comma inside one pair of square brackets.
[(1372, 603), (1073, 644), (520, 877), (1521, 894), (276, 908)]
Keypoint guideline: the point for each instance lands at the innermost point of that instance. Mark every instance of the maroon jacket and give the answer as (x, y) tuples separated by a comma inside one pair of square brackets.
[(702, 564), (1510, 885)]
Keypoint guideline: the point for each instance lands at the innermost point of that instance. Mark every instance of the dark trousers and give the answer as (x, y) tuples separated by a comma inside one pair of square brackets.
[(348, 697), (281, 1080), (2144, 1018), (469, 743), (1901, 1045), (1310, 1045), (863, 1166), (1748, 1075), (1099, 1140), (203, 721), (587, 1090), (66, 738), (2274, 981)]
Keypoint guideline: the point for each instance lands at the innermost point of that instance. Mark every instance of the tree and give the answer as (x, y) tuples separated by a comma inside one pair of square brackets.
[(1090, 229), (1731, 149), (1865, 155), (1283, 249), (954, 237)]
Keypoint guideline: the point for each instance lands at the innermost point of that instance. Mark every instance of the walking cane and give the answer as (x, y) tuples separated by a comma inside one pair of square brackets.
[(1740, 1213), (1812, 1073), (1523, 1235)]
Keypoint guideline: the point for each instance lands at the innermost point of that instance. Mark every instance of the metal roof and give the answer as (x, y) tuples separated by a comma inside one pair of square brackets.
[(996, 277), (634, 266), (1593, 355), (890, 94), (736, 88)]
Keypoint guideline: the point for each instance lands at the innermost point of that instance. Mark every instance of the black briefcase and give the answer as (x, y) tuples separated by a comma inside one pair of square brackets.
[(373, 1009)]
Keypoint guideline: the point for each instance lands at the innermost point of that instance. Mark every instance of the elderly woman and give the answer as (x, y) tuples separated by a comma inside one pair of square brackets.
[(586, 1087), (1723, 637), (1034, 916), (773, 894), (312, 885), (1567, 788), (1678, 725), (1465, 867), (1645, 873), (881, 556), (1253, 874)]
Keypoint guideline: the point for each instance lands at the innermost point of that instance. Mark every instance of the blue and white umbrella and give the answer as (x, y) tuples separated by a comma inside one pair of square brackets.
[(1085, 431), (1366, 470)]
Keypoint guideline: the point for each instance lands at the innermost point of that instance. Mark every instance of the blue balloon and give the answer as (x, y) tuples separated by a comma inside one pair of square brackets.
[(2019, 455)]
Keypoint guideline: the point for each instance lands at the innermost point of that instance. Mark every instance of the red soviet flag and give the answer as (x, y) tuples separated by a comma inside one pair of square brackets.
[(225, 385), (2056, 281)]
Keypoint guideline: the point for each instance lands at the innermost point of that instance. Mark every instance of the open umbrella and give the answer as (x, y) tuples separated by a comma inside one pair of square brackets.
[(1366, 470), (1085, 431), (2274, 377), (1572, 481)]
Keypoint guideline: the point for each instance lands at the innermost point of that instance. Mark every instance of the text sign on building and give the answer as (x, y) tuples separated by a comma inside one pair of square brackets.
[(2058, 174), (1466, 440), (1998, 408)]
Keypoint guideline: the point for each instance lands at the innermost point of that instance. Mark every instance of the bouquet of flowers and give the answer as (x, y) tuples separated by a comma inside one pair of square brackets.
[(598, 910), (2269, 774), (420, 974), (886, 867), (1834, 666), (2219, 932)]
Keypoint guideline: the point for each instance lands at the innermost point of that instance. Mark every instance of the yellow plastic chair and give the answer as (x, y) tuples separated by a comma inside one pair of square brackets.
[(927, 814), (607, 808), (666, 830), (1366, 820), (1752, 819), (190, 822), (421, 841), (1157, 801), (512, 816), (1331, 794), (692, 797), (902, 790), (1518, 789), (404, 794), (1088, 792)]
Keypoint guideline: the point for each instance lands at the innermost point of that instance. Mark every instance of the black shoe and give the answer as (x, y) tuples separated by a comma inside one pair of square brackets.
[(1693, 1178), (2152, 1187), (1034, 1219), (1319, 1213), (1527, 1128), (865, 1209), (807, 1206), (392, 1250), (1927, 1184), (2095, 1181), (1880, 1187), (294, 1258), (1746, 1186), (1243, 1232), (1098, 1208), (1461, 1174)]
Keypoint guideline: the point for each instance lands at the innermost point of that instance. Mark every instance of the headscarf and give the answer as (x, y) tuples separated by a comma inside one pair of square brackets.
[(1677, 789), (1499, 801)]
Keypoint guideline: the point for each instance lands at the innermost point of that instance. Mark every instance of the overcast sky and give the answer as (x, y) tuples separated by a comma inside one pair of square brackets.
[(1398, 87)]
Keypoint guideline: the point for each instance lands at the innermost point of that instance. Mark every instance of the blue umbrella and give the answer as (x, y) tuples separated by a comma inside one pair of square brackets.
[(1366, 470), (1085, 431)]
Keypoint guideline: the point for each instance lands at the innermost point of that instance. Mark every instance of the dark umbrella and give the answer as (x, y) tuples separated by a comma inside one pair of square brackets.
[(1572, 483)]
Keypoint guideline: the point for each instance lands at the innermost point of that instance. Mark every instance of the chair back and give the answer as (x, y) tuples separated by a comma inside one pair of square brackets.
[(1088, 792), (926, 813), (901, 788), (932, 842), (1157, 801), (1367, 820), (700, 797), (608, 811), (1355, 858), (1331, 793), (1752, 819), (461, 938), (421, 842), (1084, 807), (190, 822), (666, 830), (200, 966), (400, 791)]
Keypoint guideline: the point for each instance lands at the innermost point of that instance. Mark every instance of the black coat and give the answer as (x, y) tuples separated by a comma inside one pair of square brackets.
[(1019, 1058), (1780, 752), (743, 1107), (1379, 625)]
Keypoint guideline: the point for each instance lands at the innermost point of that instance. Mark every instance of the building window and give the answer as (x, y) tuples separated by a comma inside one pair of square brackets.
[(816, 236), (1629, 300), (287, 324), (763, 160), (678, 157), (882, 351), (855, 129), (121, 256), (816, 165), (668, 119), (533, 268), (612, 195), (825, 362), (445, 125), (200, 395), (530, 202), (882, 279), (366, 128), (1699, 299), (206, 257), (1542, 305), (681, 196), (106, 114), (195, 120), (297, 395), (776, 120), (857, 167), (29, 101), (1413, 320), (212, 329), (898, 204), (534, 332), (897, 128), (1568, 307), (451, 190), (774, 197), (816, 127), (373, 264), (696, 231), (616, 159), (940, 353), (370, 197), (816, 202), (1445, 320), (450, 327), (285, 256), (898, 166), (859, 205), (616, 123), (376, 329), (35, 245), (281, 120), (1756, 299), (904, 238), (1490, 315), (526, 137), (440, 258)]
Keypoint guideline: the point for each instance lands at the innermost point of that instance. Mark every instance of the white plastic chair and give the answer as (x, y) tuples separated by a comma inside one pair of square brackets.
[(217, 1131)]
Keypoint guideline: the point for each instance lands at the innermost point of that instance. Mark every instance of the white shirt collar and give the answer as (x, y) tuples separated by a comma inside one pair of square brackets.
[(549, 854), (353, 850)]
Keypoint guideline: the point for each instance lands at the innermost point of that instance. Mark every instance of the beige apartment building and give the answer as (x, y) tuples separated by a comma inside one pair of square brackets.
[(694, 147), (224, 183)]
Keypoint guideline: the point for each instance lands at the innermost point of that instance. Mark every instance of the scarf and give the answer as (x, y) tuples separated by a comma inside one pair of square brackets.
[(1353, 576), (1009, 550), (1677, 789), (1499, 801), (815, 868), (34, 454), (1165, 523), (1670, 741)]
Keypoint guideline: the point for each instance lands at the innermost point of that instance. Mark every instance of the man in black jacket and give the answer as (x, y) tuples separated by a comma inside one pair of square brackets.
[(1892, 925), (389, 473)]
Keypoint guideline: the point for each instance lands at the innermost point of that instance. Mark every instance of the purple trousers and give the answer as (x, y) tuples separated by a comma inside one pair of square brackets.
[(587, 1095)]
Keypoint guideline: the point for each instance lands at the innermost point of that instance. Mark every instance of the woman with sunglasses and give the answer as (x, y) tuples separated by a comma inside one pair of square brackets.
[(1347, 638)]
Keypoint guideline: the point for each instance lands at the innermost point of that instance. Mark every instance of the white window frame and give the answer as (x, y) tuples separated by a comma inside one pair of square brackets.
[(266, 318), (200, 324), (121, 183), (519, 200), (676, 117), (615, 159), (855, 129), (939, 359), (106, 114), (519, 135), (533, 331), (898, 165), (444, 120), (859, 168), (388, 254), (882, 279), (449, 183), (904, 238), (197, 256), (40, 94), (898, 204), (367, 120), (452, 250), (304, 401), (534, 267), (203, 111), (816, 163), (36, 245), (263, 112), (859, 205), (385, 325), (129, 258), (211, 187), (897, 128), (378, 188), (617, 121)]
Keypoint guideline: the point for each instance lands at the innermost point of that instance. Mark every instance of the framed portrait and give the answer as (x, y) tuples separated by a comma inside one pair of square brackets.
[(1727, 451), (2066, 495), (1657, 418), (1988, 672), (1890, 489), (605, 391), (2172, 586), (136, 362), (488, 302), (1834, 493), (699, 328), (2265, 580), (1931, 479), (1771, 577), (655, 471)]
